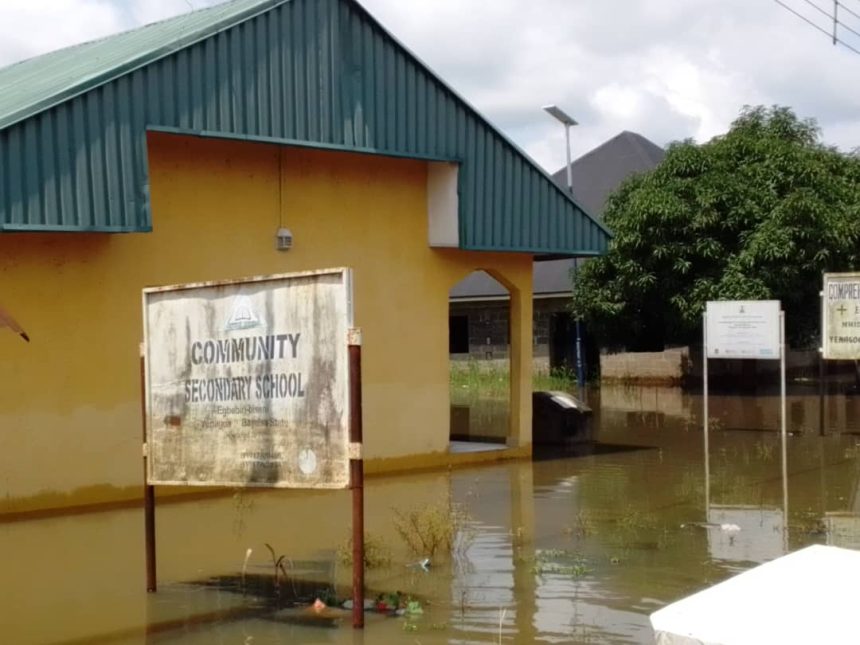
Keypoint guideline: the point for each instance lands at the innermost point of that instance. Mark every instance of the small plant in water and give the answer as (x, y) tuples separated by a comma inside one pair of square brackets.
[(559, 378), (584, 524), (377, 553), (559, 562), (632, 520), (278, 568), (433, 529), (413, 608), (764, 451)]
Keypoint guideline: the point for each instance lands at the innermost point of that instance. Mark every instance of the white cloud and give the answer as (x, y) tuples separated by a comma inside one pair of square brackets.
[(29, 28), (669, 69), (143, 13)]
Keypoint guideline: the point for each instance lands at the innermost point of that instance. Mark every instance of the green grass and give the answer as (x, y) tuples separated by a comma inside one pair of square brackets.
[(557, 379), (490, 379)]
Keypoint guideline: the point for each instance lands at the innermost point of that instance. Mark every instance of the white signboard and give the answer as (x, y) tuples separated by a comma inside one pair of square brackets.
[(841, 316), (247, 381), (743, 329)]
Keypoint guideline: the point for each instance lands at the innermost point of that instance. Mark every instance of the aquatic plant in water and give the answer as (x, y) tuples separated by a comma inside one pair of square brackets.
[(278, 568), (433, 529), (584, 524), (377, 553), (559, 562)]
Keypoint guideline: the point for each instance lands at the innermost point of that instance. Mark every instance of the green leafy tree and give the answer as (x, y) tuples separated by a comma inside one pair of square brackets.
[(758, 213)]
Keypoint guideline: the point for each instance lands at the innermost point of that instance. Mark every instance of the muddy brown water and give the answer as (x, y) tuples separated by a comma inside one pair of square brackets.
[(562, 549)]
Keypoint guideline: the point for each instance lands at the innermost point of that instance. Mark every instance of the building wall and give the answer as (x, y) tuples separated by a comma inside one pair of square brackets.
[(489, 328), (488, 324), (70, 426)]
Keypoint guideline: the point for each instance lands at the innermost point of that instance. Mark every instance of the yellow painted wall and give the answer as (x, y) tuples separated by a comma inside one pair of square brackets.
[(69, 400)]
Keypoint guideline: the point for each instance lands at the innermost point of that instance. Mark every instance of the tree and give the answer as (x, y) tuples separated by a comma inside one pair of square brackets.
[(757, 213)]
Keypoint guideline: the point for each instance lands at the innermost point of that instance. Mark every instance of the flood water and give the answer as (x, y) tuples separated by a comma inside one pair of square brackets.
[(562, 549)]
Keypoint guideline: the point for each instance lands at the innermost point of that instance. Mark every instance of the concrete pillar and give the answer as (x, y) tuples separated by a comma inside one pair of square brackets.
[(520, 432)]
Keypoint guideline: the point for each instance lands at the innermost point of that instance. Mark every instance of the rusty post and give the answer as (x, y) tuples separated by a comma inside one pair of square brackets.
[(356, 472), (148, 491)]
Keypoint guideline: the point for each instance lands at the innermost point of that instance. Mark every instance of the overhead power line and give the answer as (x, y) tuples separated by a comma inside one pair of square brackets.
[(834, 16), (831, 35), (845, 8)]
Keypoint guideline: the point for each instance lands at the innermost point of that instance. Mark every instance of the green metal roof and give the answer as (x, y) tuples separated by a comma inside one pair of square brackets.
[(310, 72), (33, 85)]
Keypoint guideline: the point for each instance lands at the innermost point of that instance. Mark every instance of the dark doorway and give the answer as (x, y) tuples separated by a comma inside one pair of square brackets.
[(458, 334), (562, 341)]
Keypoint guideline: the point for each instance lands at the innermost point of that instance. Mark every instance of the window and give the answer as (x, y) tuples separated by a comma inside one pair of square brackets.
[(458, 334)]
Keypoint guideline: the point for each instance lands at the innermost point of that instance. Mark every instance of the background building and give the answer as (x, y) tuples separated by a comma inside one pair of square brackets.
[(479, 304)]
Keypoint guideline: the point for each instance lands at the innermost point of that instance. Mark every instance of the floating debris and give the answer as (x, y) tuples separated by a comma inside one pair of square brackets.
[(729, 528), (424, 565), (369, 603)]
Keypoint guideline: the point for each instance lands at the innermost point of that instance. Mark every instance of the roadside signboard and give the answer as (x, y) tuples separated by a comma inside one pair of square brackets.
[(748, 329), (840, 325), (247, 381), (743, 329)]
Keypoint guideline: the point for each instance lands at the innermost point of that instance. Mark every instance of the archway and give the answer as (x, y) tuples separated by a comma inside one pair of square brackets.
[(479, 348)]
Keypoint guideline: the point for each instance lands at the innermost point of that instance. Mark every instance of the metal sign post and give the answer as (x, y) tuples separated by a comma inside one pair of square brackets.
[(705, 412), (822, 375), (783, 428), (148, 492), (356, 473)]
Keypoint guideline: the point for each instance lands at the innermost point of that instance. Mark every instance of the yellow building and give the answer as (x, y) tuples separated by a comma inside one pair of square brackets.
[(175, 152)]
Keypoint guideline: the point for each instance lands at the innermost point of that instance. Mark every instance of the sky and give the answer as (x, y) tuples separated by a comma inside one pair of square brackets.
[(667, 69)]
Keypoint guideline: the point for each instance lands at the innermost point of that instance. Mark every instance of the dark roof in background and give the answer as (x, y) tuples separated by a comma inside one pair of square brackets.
[(550, 277), (596, 175), (319, 73)]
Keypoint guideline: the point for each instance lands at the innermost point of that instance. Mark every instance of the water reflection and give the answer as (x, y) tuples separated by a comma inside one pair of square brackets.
[(741, 535), (562, 549)]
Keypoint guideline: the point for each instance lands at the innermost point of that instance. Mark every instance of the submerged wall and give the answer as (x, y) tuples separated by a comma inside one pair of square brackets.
[(668, 367), (70, 399)]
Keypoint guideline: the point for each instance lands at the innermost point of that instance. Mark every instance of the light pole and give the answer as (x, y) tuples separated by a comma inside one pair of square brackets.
[(568, 121)]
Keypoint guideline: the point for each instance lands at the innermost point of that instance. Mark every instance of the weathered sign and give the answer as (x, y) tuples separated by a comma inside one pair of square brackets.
[(840, 325), (743, 329), (247, 381)]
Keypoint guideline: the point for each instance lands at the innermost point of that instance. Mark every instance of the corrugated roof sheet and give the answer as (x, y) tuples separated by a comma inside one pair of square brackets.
[(32, 85), (313, 72)]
